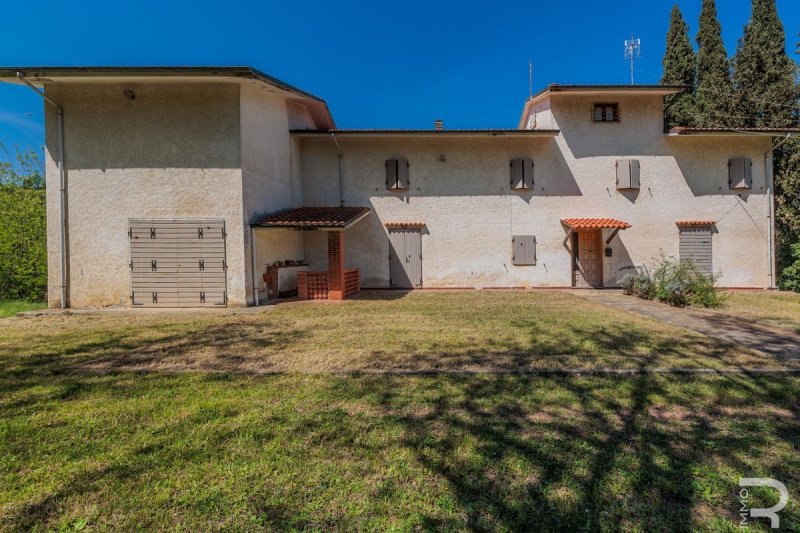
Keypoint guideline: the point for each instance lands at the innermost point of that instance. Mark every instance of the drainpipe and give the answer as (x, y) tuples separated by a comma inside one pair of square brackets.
[(341, 170), (768, 172), (253, 265), (61, 187)]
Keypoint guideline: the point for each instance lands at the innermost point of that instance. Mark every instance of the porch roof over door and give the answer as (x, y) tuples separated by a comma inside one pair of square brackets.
[(594, 223)]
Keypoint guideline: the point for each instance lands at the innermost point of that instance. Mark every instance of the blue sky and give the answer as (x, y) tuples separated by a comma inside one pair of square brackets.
[(378, 64)]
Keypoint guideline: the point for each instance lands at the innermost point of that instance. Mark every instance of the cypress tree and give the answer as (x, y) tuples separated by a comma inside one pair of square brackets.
[(714, 90), (679, 69), (764, 76)]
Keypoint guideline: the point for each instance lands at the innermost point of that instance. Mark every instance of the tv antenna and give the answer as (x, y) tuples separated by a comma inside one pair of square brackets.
[(530, 80), (633, 51)]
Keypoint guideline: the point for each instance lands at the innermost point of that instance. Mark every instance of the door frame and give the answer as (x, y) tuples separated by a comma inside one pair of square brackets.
[(405, 230), (579, 236)]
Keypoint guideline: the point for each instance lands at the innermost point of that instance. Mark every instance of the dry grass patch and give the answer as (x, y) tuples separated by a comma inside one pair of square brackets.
[(403, 332), (774, 308)]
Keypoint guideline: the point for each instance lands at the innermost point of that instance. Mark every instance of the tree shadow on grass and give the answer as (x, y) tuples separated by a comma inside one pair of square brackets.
[(492, 452), (639, 453)]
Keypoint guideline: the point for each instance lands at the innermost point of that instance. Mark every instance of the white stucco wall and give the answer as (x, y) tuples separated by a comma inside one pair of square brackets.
[(270, 174), (471, 214), (171, 152), (224, 150)]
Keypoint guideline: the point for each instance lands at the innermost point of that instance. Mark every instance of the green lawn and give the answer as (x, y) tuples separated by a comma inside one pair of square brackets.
[(420, 331), (775, 308), (86, 442), (12, 307), (214, 451)]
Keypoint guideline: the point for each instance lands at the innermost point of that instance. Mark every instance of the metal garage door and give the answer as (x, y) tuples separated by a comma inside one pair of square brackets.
[(178, 263), (695, 246), (405, 261)]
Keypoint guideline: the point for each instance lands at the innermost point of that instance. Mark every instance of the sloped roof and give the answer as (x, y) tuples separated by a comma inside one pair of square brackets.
[(595, 223), (695, 222), (314, 218), (682, 130), (39, 75)]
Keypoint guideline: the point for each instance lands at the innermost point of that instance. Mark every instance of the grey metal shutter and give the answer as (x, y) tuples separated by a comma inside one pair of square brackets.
[(628, 174), (178, 263), (695, 246), (521, 174), (523, 249), (740, 173), (405, 259), (397, 174)]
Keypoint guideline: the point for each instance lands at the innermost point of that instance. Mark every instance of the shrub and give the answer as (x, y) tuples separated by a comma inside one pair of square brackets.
[(790, 277), (626, 283), (638, 283), (644, 287), (678, 283)]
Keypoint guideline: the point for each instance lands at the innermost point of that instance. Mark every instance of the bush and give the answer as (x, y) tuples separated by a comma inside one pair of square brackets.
[(626, 283), (678, 283), (23, 243), (790, 277)]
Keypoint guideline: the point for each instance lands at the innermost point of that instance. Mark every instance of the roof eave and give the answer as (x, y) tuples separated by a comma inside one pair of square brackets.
[(733, 133), (426, 133), (41, 75)]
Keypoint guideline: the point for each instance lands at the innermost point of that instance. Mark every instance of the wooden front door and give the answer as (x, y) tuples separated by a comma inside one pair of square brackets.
[(588, 259), (405, 260)]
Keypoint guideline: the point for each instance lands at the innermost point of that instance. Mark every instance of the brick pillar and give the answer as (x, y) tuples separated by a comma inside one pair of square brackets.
[(336, 265)]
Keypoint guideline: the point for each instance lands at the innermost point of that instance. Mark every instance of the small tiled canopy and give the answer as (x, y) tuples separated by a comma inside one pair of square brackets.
[(694, 222), (314, 218), (595, 223)]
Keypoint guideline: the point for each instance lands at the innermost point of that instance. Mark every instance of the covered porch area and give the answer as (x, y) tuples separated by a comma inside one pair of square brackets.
[(336, 282), (588, 248)]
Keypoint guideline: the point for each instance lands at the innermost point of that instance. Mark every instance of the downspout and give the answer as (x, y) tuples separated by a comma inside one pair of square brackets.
[(341, 170), (61, 187), (253, 265), (770, 179)]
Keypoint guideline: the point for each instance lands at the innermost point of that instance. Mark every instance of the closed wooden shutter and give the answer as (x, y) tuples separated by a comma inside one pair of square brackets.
[(627, 174), (523, 249), (695, 246), (397, 174), (521, 174), (178, 263), (740, 173)]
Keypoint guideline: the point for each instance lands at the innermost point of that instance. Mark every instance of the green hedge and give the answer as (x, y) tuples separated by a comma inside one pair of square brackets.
[(23, 243)]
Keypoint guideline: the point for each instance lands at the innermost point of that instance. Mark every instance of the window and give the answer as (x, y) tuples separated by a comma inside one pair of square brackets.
[(605, 113), (627, 174), (522, 174), (523, 250), (397, 174), (740, 173)]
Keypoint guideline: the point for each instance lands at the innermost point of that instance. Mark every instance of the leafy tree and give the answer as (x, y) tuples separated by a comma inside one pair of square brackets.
[(23, 227), (764, 75), (23, 169), (714, 90), (679, 69), (787, 208)]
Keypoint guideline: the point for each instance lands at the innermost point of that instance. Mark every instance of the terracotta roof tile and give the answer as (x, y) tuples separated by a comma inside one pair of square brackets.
[(694, 222), (595, 223), (405, 224), (314, 217)]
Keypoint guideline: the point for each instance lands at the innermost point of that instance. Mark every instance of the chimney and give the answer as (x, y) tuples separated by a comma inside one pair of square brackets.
[(438, 124)]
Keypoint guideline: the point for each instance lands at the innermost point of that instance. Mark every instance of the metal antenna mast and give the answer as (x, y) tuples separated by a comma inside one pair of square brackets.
[(530, 80), (632, 52)]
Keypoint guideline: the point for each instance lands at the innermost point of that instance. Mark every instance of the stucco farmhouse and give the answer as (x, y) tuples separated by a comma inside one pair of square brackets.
[(222, 186)]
